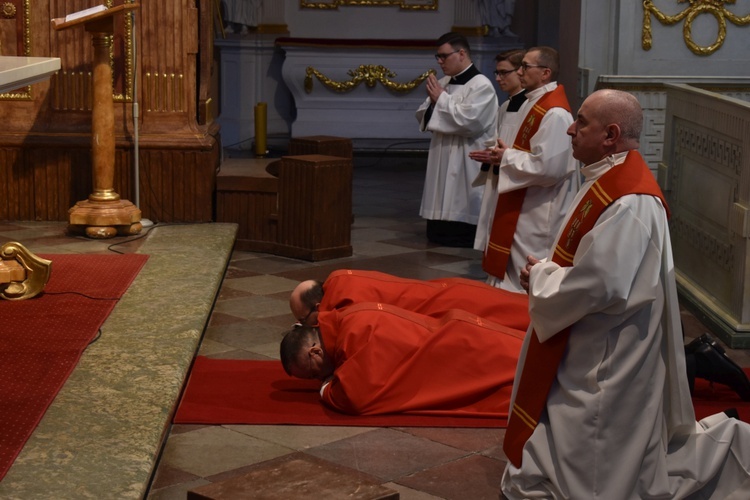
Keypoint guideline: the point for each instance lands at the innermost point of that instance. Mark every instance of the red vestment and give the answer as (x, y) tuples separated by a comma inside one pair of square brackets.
[(390, 360), (433, 298)]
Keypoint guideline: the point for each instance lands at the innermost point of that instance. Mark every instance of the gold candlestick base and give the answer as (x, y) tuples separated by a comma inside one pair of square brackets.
[(104, 219)]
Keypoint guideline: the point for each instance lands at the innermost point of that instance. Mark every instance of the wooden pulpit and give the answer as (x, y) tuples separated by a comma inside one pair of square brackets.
[(104, 214)]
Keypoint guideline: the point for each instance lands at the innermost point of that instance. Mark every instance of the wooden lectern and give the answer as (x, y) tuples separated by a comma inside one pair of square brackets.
[(103, 214)]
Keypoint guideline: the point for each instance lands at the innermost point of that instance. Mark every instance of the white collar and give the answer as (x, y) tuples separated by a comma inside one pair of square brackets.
[(532, 94), (602, 166)]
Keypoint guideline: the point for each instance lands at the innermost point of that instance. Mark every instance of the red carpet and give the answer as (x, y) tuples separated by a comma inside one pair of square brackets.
[(709, 399), (230, 391), (41, 339)]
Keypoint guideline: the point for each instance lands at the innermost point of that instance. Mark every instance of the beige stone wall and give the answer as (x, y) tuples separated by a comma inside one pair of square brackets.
[(705, 174)]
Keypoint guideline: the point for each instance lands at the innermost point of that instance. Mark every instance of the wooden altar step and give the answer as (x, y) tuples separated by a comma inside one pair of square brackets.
[(298, 206)]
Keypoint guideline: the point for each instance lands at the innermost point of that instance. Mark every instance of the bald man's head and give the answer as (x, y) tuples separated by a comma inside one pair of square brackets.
[(304, 302), (608, 122)]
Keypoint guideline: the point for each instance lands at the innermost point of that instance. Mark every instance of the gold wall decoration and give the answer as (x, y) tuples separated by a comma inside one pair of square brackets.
[(369, 74), (402, 4), (716, 8), (8, 10)]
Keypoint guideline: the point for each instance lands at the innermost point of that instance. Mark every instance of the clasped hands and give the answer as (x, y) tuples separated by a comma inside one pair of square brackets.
[(526, 271), (434, 89), (492, 155)]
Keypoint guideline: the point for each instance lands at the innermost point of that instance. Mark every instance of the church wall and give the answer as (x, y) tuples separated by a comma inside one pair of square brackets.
[(250, 65), (390, 22), (612, 39)]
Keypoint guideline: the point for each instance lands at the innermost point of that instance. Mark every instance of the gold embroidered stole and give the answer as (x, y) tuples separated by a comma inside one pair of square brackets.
[(508, 208)]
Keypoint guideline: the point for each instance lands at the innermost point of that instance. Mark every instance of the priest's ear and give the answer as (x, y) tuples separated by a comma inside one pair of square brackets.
[(315, 350), (613, 134)]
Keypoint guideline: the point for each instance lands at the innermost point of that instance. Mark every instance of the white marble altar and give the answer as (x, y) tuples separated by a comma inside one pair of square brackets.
[(367, 89)]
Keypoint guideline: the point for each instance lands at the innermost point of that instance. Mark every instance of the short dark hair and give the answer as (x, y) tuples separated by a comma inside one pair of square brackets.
[(456, 40), (548, 57), (312, 296), (515, 57), (293, 342)]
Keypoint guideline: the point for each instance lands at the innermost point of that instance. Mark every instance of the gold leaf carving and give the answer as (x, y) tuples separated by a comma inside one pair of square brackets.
[(368, 73), (716, 8)]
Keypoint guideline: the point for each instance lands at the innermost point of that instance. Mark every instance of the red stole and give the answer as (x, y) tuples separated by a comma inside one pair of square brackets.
[(543, 359), (508, 208)]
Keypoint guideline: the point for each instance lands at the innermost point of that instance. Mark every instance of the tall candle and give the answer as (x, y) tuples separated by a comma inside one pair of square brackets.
[(261, 113)]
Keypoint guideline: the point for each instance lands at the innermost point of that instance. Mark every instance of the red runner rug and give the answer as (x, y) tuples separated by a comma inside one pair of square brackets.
[(42, 339), (233, 391)]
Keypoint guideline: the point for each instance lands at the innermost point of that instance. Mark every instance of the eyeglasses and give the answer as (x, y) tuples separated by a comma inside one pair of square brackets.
[(525, 66), (443, 57), (502, 73), (301, 322)]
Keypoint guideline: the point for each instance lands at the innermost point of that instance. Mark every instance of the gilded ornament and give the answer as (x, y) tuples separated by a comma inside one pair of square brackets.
[(716, 8), (368, 73), (35, 270), (9, 10)]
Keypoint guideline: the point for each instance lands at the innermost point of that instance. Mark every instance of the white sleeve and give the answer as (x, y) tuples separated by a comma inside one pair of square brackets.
[(604, 270), (550, 158)]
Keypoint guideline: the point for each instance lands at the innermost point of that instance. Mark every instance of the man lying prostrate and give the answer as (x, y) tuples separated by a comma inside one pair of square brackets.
[(705, 358), (348, 286), (376, 358)]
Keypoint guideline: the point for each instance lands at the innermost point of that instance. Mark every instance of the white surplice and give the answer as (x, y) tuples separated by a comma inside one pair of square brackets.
[(462, 120), (619, 421), (507, 128), (550, 174)]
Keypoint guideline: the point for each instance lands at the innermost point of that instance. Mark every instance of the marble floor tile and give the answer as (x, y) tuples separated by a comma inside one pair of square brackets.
[(211, 450), (476, 477), (387, 453), (300, 437)]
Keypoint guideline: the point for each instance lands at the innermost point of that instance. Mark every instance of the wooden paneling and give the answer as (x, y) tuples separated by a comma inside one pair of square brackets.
[(45, 165)]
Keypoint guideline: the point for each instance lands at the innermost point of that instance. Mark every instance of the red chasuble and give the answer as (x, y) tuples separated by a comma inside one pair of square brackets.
[(389, 360), (432, 298), (542, 359), (508, 207)]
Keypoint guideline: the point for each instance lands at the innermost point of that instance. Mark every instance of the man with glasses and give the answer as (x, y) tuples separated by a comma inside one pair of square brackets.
[(460, 112), (374, 358), (601, 404), (508, 120), (537, 175)]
